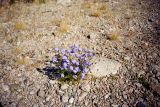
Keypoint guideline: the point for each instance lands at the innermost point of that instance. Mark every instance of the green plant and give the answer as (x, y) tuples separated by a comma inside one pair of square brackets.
[(71, 64)]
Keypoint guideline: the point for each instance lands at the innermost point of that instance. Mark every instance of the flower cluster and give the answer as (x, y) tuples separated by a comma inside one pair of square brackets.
[(73, 62)]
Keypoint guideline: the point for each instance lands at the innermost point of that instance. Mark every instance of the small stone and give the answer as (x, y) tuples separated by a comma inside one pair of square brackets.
[(82, 96), (125, 96), (85, 87), (32, 92), (6, 88), (126, 58), (107, 96), (35, 105), (124, 105), (48, 98), (104, 67), (156, 88), (138, 84), (64, 2), (71, 100), (41, 93), (60, 92), (8, 68), (52, 82), (114, 105), (65, 98), (64, 86)]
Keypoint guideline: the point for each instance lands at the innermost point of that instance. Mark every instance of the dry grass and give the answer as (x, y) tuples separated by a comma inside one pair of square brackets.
[(96, 13), (64, 27), (114, 36), (23, 60), (20, 25), (17, 50)]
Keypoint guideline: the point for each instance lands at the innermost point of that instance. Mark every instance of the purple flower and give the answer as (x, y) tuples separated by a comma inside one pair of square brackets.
[(71, 68), (84, 70), (86, 63), (64, 58), (56, 49), (79, 49), (83, 75), (73, 50), (68, 51), (63, 51), (76, 70), (64, 65), (74, 61), (54, 60), (76, 45), (78, 56), (72, 54), (77, 63), (67, 61)]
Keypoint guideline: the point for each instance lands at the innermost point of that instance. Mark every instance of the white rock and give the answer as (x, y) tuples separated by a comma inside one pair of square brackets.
[(65, 98), (6, 88), (138, 84), (85, 87), (52, 82), (64, 86), (104, 67), (71, 100), (82, 96), (124, 105), (64, 2), (114, 105), (107, 95)]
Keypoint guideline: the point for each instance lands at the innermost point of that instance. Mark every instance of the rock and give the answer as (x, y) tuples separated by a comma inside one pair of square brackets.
[(65, 98), (125, 96), (124, 105), (104, 67), (114, 105), (35, 105), (60, 92), (85, 87), (140, 104), (92, 36), (126, 58), (52, 82), (64, 86), (155, 88), (71, 100), (138, 84), (41, 93), (6, 88), (32, 92), (64, 2), (82, 96), (48, 98), (107, 96)]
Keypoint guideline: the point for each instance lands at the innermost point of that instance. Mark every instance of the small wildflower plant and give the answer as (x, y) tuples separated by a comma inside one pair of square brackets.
[(73, 63)]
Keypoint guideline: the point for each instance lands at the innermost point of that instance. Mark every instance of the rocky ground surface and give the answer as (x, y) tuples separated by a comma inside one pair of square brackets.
[(126, 31)]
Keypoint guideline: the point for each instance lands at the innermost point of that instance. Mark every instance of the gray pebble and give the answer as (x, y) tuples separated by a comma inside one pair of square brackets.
[(65, 98), (64, 86), (107, 95), (71, 100)]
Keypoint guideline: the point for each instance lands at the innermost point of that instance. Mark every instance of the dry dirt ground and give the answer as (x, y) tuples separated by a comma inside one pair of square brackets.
[(124, 30)]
